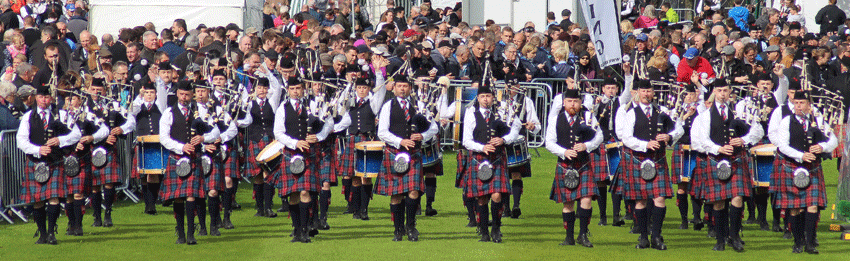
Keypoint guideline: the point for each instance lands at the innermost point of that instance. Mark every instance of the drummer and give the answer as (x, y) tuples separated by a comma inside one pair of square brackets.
[(570, 142), (213, 181), (42, 138), (681, 156), (106, 177), (91, 132), (360, 125), (146, 109), (394, 128), (299, 132), (261, 109), (802, 146), (181, 134), (531, 124), (229, 166), (484, 134), (606, 105)]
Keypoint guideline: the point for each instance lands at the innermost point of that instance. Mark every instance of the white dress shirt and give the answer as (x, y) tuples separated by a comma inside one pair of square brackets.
[(626, 124), (384, 126), (783, 139), (22, 137), (701, 129), (280, 126), (469, 128), (165, 129), (551, 135)]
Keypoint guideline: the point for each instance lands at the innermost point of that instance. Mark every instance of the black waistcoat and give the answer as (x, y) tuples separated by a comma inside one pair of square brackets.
[(362, 119), (799, 138), (606, 120), (39, 135), (263, 121), (483, 130), (296, 124), (569, 135), (399, 126), (147, 120), (180, 125)]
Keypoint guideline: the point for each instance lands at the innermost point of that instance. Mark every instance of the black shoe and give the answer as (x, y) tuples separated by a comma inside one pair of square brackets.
[(107, 218), (736, 244), (69, 231), (150, 212), (202, 231), (270, 213), (568, 241), (412, 234), (311, 232), (507, 213), (214, 231), (496, 234), (356, 215), (181, 236), (777, 228), (583, 240), (398, 235), (42, 239), (658, 244), (711, 233), (226, 224), (797, 249), (618, 221), (643, 243), (763, 225), (698, 225), (787, 235), (629, 217), (811, 249), (190, 239), (485, 237), (364, 215), (323, 224), (349, 209), (236, 205), (634, 230), (684, 225), (430, 212), (816, 243), (603, 221), (719, 247), (472, 223), (306, 238), (51, 239), (296, 236), (283, 208), (694, 220), (419, 211), (97, 222), (750, 220), (516, 212), (78, 231), (260, 213)]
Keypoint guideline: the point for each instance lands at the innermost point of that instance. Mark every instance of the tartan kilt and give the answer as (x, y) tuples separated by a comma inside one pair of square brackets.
[(437, 168), (327, 158), (254, 149), (230, 165), (110, 172), (499, 183), (33, 192), (215, 181), (174, 187), (740, 184), (524, 170), (788, 195), (288, 183), (389, 184), (134, 169), (79, 184), (346, 162), (698, 177), (461, 167), (599, 164), (633, 187), (586, 188)]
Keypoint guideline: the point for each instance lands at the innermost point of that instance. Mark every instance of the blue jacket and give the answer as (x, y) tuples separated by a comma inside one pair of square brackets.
[(7, 121), (172, 49)]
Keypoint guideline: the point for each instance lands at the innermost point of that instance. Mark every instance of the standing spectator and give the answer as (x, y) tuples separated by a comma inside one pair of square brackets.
[(30, 32), (77, 23), (7, 98), (8, 17), (16, 47), (740, 15), (344, 20), (565, 23), (169, 46), (178, 30), (830, 17), (648, 19)]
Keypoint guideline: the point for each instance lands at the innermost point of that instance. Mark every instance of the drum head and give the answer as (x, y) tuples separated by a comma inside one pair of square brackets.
[(41, 172), (72, 166), (206, 165), (801, 178), (401, 163), (571, 178), (724, 170), (183, 168), (297, 164), (98, 157), (647, 170), (485, 171)]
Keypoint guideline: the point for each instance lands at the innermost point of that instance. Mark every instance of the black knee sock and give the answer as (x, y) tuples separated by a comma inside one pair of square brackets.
[(295, 215), (797, 228), (761, 206), (346, 186), (108, 198), (146, 195), (751, 205), (397, 212), (616, 199), (811, 226), (284, 204), (179, 215), (324, 203), (682, 203), (418, 202), (430, 190), (516, 192), (641, 221), (410, 211), (496, 209), (470, 204), (365, 197), (69, 212), (268, 196), (154, 191), (569, 223), (356, 193), (630, 207), (658, 220), (697, 206), (259, 197), (40, 217), (483, 218), (96, 204), (735, 221), (190, 217), (201, 209), (213, 206), (721, 225), (52, 216), (77, 211), (602, 202), (226, 202), (584, 219), (304, 214), (314, 207), (235, 189)]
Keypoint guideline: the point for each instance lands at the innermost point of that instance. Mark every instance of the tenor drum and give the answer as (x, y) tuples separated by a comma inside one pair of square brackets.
[(269, 158), (152, 156), (689, 162), (613, 151), (431, 153), (368, 158), (763, 169), (518, 153)]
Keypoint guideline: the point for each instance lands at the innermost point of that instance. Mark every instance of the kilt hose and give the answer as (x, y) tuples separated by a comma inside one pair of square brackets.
[(287, 182), (789, 196), (586, 188), (175, 187), (499, 183), (740, 184), (633, 187), (111, 171), (389, 183), (33, 191)]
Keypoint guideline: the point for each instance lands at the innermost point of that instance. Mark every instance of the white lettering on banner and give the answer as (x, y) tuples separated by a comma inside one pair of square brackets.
[(607, 43)]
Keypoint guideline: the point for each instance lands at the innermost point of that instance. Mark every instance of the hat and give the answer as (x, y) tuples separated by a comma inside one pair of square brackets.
[(287, 60), (690, 88), (165, 66), (26, 90), (263, 81), (572, 93), (218, 72), (43, 90), (802, 95), (399, 9), (363, 49), (809, 36), (765, 77), (728, 50), (363, 81), (427, 45), (641, 37), (380, 50), (642, 84), (352, 68), (586, 38), (795, 26), (410, 33), (232, 26), (184, 86), (484, 89), (755, 27), (400, 78), (271, 54), (148, 86), (610, 81), (691, 53), (251, 30), (293, 81), (720, 82), (444, 43), (794, 84), (99, 82), (511, 80), (772, 48), (566, 12), (677, 26), (104, 52)]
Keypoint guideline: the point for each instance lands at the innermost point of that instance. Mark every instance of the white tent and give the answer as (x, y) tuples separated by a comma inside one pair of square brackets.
[(108, 16)]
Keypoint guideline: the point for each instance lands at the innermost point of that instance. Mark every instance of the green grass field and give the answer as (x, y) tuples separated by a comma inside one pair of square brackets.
[(534, 236)]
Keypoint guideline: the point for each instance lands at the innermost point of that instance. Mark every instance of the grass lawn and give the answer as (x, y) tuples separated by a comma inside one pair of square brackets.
[(534, 236)]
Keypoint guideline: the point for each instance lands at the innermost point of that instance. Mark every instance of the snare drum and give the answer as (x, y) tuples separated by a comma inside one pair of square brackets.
[(369, 158), (152, 156), (269, 157), (689, 162), (431, 153), (517, 153), (613, 151), (763, 169)]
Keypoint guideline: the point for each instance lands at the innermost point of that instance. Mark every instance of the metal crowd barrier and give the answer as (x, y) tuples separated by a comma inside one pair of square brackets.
[(12, 167), (125, 159)]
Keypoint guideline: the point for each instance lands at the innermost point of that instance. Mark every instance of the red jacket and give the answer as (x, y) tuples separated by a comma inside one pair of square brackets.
[(684, 71)]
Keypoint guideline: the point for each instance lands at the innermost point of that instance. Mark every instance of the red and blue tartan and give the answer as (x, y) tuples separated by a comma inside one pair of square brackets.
[(698, 177), (175, 187), (110, 172), (788, 195), (33, 192), (254, 149), (326, 159), (78, 184), (134, 170), (599, 163), (633, 187), (288, 183), (389, 184), (461, 167), (499, 183), (215, 181), (437, 168), (740, 184), (346, 156), (230, 165), (586, 187)]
